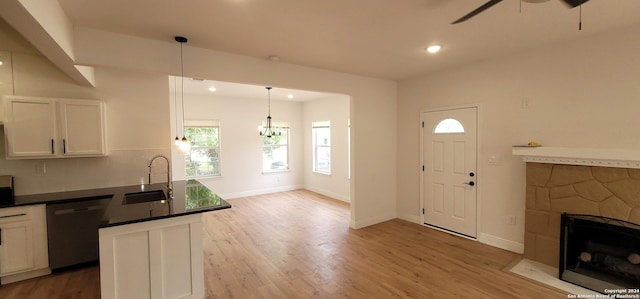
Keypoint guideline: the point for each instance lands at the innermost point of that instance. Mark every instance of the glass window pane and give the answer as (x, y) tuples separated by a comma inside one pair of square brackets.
[(321, 138), (323, 161), (204, 158), (200, 136), (448, 125), (275, 151)]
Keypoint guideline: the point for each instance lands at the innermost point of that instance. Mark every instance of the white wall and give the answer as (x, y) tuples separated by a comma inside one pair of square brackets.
[(241, 145), (336, 110), (136, 125), (121, 59), (583, 93)]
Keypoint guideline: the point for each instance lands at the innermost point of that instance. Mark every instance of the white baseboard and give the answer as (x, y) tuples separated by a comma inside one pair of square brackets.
[(505, 244), (25, 275), (410, 218), (340, 197), (370, 221), (260, 191)]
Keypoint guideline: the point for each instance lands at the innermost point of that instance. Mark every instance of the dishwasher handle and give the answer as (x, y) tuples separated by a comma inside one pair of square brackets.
[(77, 210)]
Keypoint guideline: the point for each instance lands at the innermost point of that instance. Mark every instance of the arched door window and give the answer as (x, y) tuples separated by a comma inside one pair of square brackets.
[(448, 126)]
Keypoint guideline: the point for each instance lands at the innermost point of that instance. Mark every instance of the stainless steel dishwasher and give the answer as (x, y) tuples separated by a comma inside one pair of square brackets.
[(72, 230)]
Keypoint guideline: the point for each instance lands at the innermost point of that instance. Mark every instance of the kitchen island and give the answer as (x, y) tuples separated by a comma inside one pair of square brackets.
[(150, 243), (189, 197), (154, 249)]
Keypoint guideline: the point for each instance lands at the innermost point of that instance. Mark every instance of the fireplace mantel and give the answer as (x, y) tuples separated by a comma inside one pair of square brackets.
[(580, 156)]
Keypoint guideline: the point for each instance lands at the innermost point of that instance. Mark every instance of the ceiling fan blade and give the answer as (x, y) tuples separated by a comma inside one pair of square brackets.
[(574, 3), (479, 10)]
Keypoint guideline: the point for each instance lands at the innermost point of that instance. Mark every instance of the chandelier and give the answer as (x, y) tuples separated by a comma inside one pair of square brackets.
[(268, 130)]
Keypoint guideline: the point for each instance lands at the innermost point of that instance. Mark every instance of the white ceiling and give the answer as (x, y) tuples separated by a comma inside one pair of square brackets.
[(201, 87), (376, 38)]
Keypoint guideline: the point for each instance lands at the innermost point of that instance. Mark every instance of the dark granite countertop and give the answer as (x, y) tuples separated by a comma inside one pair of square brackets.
[(189, 197)]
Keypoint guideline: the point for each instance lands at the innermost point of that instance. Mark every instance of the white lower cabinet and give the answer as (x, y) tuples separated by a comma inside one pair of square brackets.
[(154, 259), (23, 243)]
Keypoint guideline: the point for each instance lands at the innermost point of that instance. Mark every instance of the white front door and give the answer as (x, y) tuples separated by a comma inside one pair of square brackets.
[(449, 146)]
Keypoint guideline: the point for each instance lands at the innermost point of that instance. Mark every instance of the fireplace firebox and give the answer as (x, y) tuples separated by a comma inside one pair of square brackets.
[(599, 253)]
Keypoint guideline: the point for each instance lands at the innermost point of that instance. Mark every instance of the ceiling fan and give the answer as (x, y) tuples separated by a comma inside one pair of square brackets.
[(571, 3)]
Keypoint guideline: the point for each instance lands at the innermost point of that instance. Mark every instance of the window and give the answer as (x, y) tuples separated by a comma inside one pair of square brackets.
[(448, 126), (321, 134), (204, 158), (275, 149)]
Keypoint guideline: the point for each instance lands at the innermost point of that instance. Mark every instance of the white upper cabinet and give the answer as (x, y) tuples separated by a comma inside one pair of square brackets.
[(6, 76), (53, 128), (82, 127), (30, 127)]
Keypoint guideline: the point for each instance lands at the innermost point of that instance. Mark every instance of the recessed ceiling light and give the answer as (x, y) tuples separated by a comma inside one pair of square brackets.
[(212, 89), (1, 62), (434, 49), (290, 96)]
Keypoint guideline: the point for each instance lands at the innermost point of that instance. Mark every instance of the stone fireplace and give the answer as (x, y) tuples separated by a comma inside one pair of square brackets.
[(575, 181), (553, 189)]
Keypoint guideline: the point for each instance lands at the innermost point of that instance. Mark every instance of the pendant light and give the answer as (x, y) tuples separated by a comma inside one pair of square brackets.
[(183, 144), (269, 131), (175, 110)]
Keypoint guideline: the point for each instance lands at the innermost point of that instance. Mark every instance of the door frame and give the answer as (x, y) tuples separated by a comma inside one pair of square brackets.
[(479, 179)]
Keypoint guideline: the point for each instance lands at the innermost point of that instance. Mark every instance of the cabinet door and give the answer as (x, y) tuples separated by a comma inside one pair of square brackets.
[(16, 250), (82, 127), (6, 76), (154, 259), (30, 127)]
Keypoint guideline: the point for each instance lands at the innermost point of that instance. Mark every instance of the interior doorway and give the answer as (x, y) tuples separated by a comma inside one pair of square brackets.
[(244, 163), (449, 176)]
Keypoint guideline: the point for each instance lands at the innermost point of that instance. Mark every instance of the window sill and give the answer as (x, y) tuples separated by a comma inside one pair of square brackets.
[(322, 173), (205, 178), (276, 171)]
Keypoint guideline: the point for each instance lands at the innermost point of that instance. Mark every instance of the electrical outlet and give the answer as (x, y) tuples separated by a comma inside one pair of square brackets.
[(525, 103), (512, 220)]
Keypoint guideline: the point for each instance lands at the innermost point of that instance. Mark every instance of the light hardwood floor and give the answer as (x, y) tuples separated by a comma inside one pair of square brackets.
[(298, 244)]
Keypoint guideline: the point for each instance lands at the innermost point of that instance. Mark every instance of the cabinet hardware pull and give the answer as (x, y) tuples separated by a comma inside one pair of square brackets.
[(52, 152), (0, 236), (14, 215), (64, 146)]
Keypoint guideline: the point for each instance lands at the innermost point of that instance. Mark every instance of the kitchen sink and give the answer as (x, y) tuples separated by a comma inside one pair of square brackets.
[(142, 197)]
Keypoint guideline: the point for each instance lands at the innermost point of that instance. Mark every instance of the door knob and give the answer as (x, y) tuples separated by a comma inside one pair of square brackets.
[(471, 174), (472, 183)]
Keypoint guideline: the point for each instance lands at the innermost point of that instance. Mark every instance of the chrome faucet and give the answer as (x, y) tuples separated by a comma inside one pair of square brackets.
[(169, 183)]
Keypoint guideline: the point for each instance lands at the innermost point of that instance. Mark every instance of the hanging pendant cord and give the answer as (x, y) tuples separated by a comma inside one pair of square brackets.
[(175, 101), (269, 106), (182, 88), (520, 6), (580, 21)]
